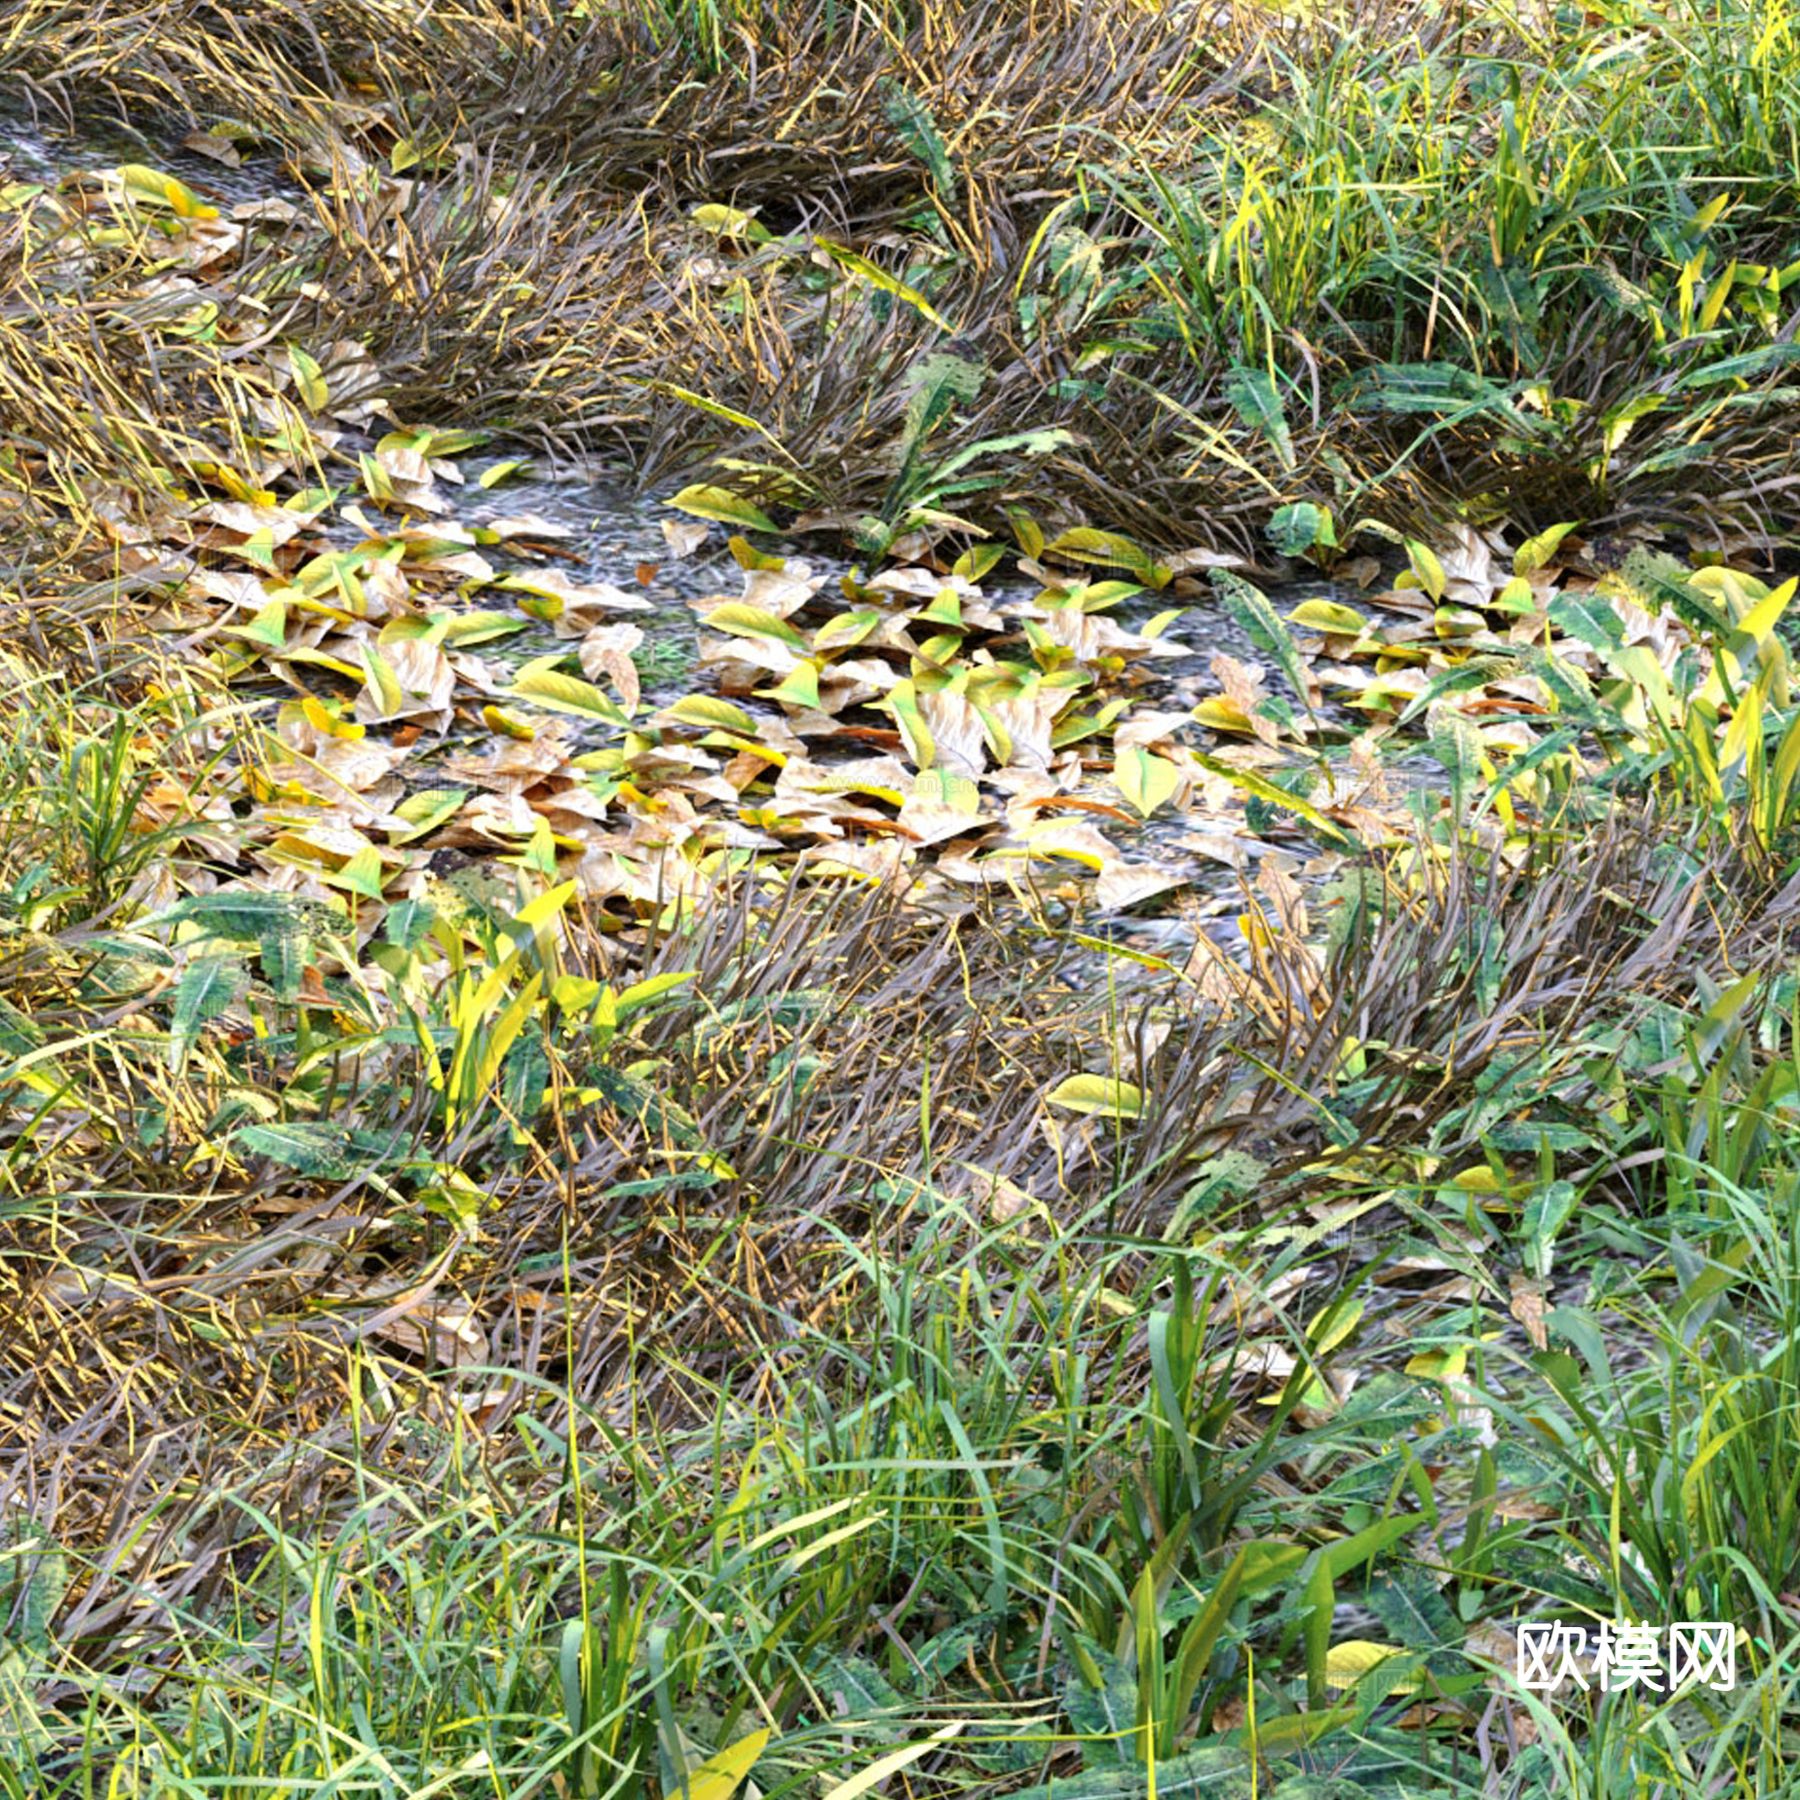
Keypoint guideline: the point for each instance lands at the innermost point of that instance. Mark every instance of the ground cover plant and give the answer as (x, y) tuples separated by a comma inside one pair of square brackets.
[(1061, 1076)]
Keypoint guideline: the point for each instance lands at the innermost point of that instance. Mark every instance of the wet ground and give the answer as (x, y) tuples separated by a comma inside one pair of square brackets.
[(599, 530)]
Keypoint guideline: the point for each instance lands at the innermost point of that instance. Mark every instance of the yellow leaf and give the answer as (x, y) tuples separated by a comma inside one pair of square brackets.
[(309, 378), (1107, 549), (1347, 1663), (565, 694), (729, 221), (711, 713), (903, 703), (320, 719), (1329, 617), (741, 619), (884, 1766), (717, 1778), (1101, 1096), (1336, 1329), (1222, 713), (706, 502), (1145, 780), (151, 187), (876, 277), (497, 718), (1439, 1365)]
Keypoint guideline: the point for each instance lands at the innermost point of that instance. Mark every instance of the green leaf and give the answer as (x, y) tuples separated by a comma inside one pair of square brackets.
[(1456, 744), (1320, 1599), (1248, 782), (1588, 620), (1741, 367), (1251, 608), (1546, 1212), (1208, 1772), (322, 1148), (208, 985), (34, 1579), (917, 125), (1304, 526), (1256, 400)]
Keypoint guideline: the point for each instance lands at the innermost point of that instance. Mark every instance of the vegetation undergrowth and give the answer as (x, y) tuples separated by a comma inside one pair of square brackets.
[(1068, 1178)]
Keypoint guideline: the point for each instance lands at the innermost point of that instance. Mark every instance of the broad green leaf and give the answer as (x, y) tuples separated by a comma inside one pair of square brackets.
[(207, 987), (1546, 1212), (1249, 605), (1249, 782), (1294, 530), (1256, 400), (911, 116), (653, 987)]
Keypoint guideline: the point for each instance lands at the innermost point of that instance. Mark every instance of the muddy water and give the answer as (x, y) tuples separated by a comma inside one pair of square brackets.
[(42, 147)]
